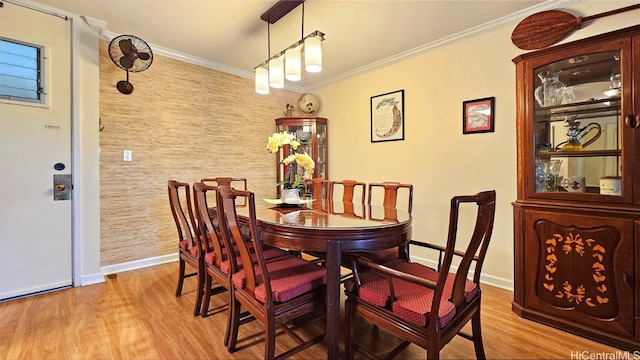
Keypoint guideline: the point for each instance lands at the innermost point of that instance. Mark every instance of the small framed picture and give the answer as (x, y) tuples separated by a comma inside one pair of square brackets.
[(478, 115), (387, 116)]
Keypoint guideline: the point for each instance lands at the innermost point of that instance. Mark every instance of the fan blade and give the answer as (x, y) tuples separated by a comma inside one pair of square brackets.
[(126, 62), (144, 56), (126, 46)]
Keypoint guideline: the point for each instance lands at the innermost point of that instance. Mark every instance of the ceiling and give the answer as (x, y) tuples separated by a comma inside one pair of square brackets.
[(229, 35)]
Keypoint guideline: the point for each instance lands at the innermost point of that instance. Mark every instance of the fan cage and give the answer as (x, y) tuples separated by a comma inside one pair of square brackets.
[(115, 53)]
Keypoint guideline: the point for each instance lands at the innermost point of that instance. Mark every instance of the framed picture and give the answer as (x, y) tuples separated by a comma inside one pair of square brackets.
[(478, 115), (387, 116)]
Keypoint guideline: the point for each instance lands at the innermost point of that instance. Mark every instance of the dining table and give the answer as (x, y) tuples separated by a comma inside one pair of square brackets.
[(331, 228)]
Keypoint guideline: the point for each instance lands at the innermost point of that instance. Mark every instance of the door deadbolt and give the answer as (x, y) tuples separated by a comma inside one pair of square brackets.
[(62, 187)]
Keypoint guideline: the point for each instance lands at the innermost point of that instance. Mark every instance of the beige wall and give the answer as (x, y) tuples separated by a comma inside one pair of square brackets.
[(435, 156), (182, 122)]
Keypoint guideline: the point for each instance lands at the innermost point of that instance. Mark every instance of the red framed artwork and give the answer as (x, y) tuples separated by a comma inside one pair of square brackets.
[(478, 115)]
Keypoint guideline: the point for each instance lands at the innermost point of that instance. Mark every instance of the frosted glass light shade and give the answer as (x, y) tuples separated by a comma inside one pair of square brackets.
[(292, 64), (313, 54), (262, 81), (276, 72)]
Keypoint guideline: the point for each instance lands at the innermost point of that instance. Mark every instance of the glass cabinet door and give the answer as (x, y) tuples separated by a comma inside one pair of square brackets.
[(578, 127), (321, 160), (311, 133)]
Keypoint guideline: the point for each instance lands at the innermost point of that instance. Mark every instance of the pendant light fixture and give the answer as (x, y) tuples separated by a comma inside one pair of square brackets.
[(262, 80), (288, 63), (313, 54), (276, 72), (292, 64)]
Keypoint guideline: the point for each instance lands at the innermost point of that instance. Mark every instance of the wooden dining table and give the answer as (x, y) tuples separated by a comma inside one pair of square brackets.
[(332, 228)]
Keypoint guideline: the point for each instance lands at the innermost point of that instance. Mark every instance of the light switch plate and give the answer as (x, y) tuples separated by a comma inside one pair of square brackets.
[(127, 155)]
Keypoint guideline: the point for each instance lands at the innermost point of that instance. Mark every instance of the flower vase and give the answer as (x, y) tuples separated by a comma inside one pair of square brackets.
[(290, 196)]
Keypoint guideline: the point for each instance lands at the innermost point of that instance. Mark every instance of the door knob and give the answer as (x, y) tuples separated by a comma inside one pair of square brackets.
[(59, 187), (630, 121)]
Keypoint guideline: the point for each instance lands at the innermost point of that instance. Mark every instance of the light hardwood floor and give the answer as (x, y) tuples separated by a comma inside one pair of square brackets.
[(135, 315)]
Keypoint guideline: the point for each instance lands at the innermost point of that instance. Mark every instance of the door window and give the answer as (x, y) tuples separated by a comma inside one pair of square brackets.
[(21, 72)]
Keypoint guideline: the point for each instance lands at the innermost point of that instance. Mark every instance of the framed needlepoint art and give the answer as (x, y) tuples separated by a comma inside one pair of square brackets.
[(478, 115), (387, 116)]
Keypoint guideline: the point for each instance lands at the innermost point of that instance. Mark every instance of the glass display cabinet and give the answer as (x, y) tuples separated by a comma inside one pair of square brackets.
[(311, 133), (578, 208)]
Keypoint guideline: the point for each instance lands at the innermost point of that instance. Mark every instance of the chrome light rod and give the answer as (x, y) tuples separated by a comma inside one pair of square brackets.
[(316, 33)]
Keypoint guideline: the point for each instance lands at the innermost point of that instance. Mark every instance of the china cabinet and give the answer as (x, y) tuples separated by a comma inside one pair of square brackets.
[(311, 133), (577, 214)]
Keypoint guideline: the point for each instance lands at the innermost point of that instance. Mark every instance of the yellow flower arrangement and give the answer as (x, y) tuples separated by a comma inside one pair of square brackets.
[(278, 140)]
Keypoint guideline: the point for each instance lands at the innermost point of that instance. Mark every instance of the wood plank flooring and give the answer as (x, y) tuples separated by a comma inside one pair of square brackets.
[(135, 315)]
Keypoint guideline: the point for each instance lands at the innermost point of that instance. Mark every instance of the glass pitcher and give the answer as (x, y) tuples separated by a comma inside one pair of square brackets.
[(551, 92)]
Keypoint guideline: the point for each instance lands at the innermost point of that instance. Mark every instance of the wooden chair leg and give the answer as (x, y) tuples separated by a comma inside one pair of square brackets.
[(198, 304), (270, 339), (234, 314), (433, 352), (349, 318), (227, 332), (181, 270), (207, 295), (477, 335)]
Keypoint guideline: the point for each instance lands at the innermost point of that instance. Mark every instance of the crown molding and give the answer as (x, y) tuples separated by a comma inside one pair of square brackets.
[(463, 35), (95, 24)]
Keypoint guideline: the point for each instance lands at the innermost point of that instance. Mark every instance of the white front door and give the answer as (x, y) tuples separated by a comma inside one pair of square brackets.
[(35, 229)]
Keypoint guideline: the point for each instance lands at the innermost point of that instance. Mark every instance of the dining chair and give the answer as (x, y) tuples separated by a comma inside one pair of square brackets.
[(216, 256), (274, 291), (317, 188), (214, 252), (390, 193), (350, 188), (187, 238), (401, 297), (385, 194)]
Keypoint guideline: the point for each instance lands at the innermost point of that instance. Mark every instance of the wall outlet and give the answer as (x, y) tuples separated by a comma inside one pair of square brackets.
[(127, 155)]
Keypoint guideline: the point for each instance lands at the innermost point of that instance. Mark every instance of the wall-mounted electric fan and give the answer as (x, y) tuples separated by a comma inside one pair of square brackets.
[(132, 54)]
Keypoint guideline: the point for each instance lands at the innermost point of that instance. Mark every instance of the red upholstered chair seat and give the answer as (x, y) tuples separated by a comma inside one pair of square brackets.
[(426, 272), (268, 253), (193, 250), (413, 302), (290, 277)]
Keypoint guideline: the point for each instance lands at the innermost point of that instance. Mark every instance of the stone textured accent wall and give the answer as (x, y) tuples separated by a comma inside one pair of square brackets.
[(182, 122)]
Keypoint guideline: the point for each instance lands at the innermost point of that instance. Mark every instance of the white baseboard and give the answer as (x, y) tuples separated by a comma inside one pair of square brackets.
[(91, 279), (498, 282), (138, 264)]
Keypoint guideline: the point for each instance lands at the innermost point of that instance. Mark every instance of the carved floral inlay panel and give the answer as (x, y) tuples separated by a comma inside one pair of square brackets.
[(576, 267)]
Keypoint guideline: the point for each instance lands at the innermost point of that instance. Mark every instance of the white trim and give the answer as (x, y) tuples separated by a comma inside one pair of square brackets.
[(91, 279), (463, 35), (138, 264), (96, 25)]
